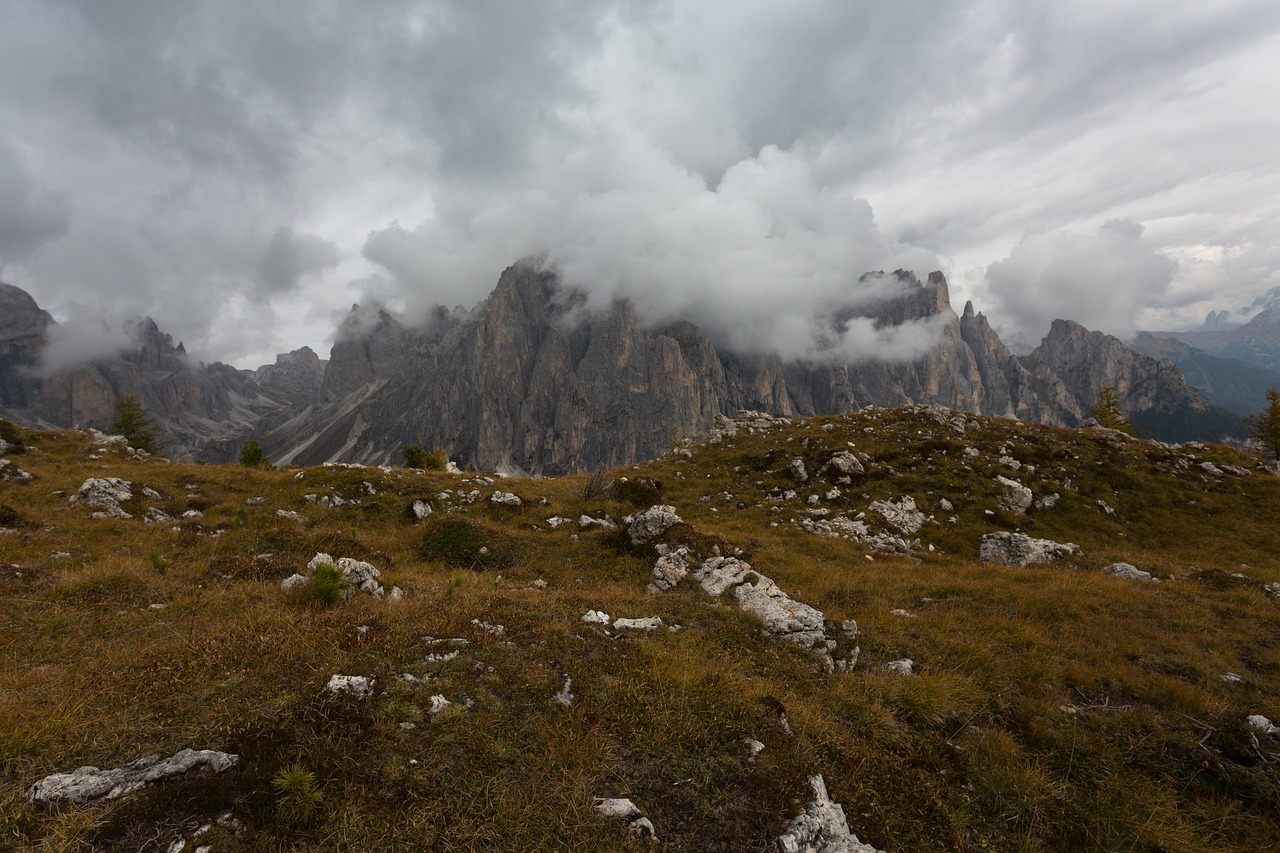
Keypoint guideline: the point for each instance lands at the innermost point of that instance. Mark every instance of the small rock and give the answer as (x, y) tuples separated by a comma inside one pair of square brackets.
[(294, 581), (420, 509), (289, 514), (652, 523), (595, 617), (903, 515), (1262, 724), (438, 704), (906, 666), (797, 470), (1231, 678), (945, 505), (1129, 572), (505, 499), (647, 623), (359, 686), (565, 697), (1016, 498)]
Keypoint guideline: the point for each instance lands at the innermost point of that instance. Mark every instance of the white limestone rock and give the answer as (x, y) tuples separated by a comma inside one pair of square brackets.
[(86, 784), (822, 827), (902, 515), (844, 464), (644, 623), (359, 686), (906, 666), (420, 509), (1016, 497), (797, 470), (1019, 549), (1257, 722), (294, 582), (103, 492), (595, 617), (505, 499), (1128, 571), (652, 523), (670, 569)]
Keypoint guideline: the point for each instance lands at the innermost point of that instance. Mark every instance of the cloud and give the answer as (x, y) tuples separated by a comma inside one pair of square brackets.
[(757, 260), (1101, 280), (239, 169), (29, 215), (290, 256), (84, 335)]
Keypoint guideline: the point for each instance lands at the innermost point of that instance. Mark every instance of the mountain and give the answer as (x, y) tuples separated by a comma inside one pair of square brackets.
[(1238, 387), (530, 380), (1257, 342), (202, 411), (514, 385)]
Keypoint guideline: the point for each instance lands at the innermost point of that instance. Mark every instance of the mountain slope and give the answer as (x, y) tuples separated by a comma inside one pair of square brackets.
[(1051, 706), (1238, 387)]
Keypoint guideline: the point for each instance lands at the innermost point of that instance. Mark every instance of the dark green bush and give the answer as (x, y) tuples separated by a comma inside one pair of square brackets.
[(457, 542), (251, 455), (416, 457)]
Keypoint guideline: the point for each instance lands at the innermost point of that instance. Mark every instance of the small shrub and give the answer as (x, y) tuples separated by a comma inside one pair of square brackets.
[(298, 794), (329, 586), (458, 543), (11, 518), (597, 484), (416, 457), (159, 562), (251, 455)]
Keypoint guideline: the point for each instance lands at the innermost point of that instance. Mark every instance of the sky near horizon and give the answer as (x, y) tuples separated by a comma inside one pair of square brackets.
[(243, 172)]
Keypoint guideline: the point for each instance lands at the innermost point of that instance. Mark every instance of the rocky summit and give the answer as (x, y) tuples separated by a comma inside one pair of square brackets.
[(892, 629), (532, 380)]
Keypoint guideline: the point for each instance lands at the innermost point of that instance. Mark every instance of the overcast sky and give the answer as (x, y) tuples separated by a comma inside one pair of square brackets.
[(244, 171)]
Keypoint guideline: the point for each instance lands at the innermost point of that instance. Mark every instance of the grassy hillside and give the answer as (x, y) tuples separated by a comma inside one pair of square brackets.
[(1054, 707)]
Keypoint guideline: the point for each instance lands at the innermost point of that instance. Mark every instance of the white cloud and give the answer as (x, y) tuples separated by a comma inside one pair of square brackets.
[(1100, 280)]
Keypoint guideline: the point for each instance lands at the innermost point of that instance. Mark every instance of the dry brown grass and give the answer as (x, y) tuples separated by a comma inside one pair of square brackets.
[(1056, 708)]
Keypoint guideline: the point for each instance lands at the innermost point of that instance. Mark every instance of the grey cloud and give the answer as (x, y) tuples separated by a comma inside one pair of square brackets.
[(85, 334), (289, 256), (29, 215), (1101, 280), (714, 157)]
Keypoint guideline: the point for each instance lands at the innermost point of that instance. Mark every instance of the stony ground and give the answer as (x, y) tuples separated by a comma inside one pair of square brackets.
[(896, 630)]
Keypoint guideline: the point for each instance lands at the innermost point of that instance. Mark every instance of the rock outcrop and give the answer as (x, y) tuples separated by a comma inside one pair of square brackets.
[(822, 827), (86, 784), (1019, 549)]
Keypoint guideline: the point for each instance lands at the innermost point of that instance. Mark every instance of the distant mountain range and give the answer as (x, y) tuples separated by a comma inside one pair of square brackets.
[(524, 381)]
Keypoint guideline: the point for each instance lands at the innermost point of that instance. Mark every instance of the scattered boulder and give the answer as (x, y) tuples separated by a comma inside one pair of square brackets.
[(797, 470), (671, 568), (293, 582), (595, 617), (155, 515), (1257, 722), (822, 827), (1048, 501), (362, 576), (649, 525), (1016, 497), (903, 515), (86, 784), (782, 616), (645, 623), (359, 686), (641, 826), (1019, 549), (585, 522), (289, 514), (906, 666), (505, 499), (420, 509), (1129, 572), (10, 473), (106, 494), (438, 704), (844, 464), (946, 505)]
